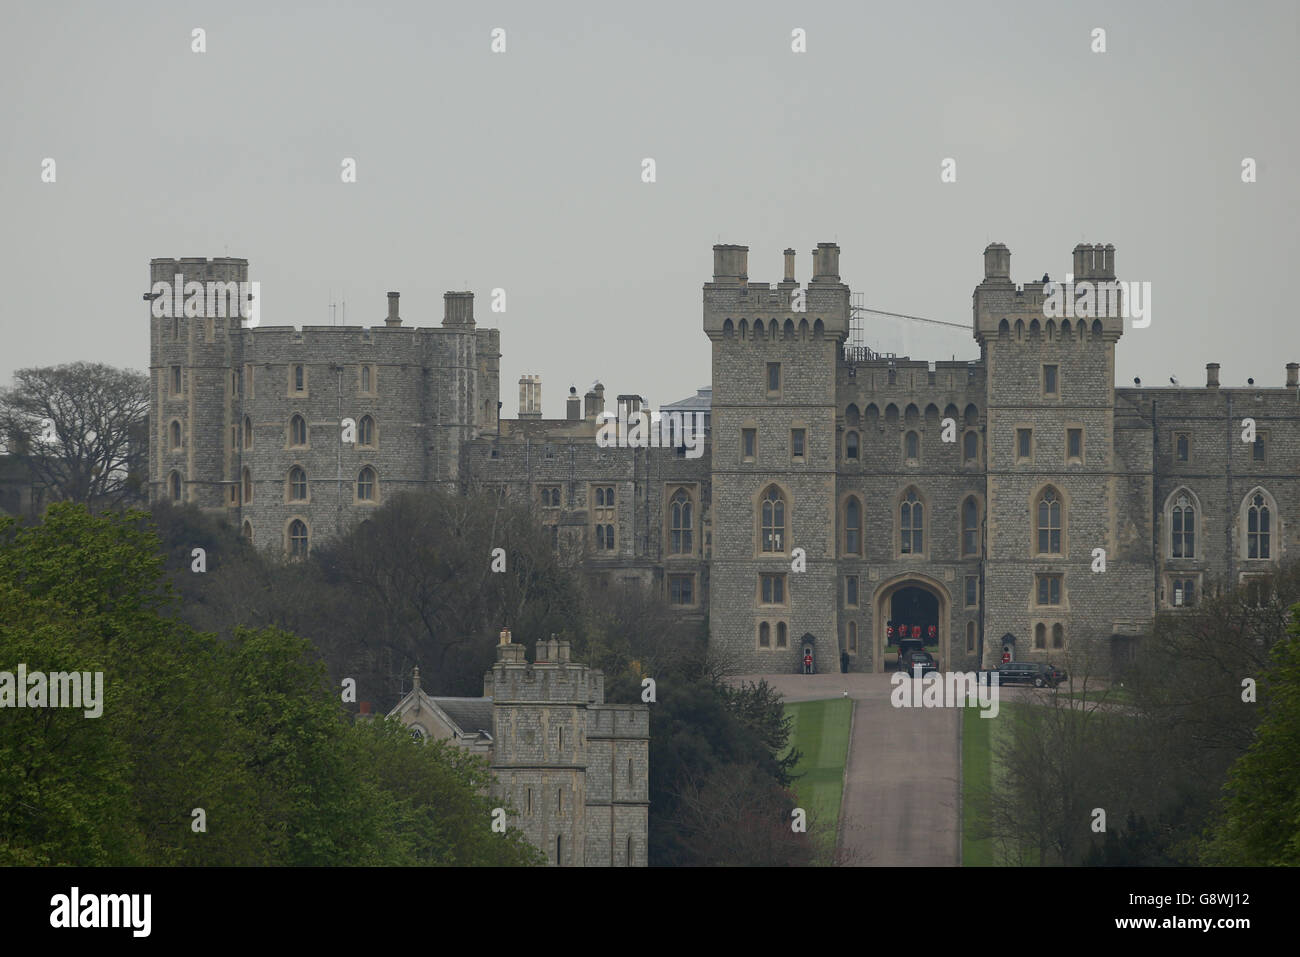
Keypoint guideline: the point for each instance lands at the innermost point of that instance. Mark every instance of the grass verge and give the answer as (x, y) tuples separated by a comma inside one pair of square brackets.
[(820, 731)]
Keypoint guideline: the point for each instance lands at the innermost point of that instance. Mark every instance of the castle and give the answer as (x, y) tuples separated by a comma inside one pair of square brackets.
[(1016, 501), (574, 769)]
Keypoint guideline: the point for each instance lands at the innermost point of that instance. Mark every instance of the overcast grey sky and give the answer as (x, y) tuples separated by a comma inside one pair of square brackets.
[(522, 169)]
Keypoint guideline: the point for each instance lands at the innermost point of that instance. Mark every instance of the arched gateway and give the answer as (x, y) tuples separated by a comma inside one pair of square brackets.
[(919, 602)]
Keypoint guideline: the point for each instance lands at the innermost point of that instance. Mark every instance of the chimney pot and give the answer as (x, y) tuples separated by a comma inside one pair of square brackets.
[(1211, 375), (392, 319), (997, 261)]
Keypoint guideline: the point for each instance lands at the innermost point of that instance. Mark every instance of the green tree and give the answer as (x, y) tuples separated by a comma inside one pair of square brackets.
[(80, 430), (1260, 819)]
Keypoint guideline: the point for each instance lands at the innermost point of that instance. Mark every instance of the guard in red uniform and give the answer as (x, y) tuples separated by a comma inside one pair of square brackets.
[(807, 664), (1006, 657)]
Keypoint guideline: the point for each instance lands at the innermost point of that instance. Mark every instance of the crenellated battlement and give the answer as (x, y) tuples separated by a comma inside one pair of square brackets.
[(818, 310), (1046, 308)]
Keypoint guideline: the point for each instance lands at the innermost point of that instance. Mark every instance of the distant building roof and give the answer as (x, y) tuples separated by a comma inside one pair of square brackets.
[(702, 401), (471, 715)]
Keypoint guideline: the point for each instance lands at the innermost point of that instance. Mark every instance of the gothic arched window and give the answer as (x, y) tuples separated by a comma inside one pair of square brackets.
[(772, 530), (853, 526), (297, 431), (297, 484), (970, 527), (1182, 527), (681, 523), (366, 482), (1258, 527), (298, 538), (1049, 522), (912, 524)]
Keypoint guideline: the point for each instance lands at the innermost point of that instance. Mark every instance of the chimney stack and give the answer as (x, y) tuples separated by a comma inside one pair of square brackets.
[(458, 309), (789, 266), (730, 263), (530, 396), (997, 262), (392, 319), (628, 406), (507, 653), (573, 408), (1292, 374), (1211, 375), (826, 263)]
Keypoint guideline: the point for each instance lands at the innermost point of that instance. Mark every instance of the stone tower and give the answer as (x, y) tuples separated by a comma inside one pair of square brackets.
[(774, 357), (195, 352), (1064, 477), (295, 434), (575, 769)]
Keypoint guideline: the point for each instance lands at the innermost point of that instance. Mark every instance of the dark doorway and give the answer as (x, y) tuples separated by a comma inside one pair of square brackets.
[(916, 608)]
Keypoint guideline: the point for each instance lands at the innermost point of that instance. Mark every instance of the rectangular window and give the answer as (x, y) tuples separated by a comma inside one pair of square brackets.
[(774, 377), (176, 380), (772, 589), (366, 380), (972, 591), (299, 379), (1049, 589), (248, 381), (1024, 444), (851, 591), (1050, 386), (1074, 444), (748, 443), (797, 437), (1182, 592), (1182, 446), (1260, 451), (681, 589)]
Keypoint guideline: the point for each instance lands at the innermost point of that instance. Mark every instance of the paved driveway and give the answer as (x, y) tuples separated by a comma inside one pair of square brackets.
[(901, 780)]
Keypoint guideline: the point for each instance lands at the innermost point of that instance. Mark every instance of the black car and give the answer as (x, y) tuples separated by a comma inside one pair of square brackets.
[(910, 660), (1030, 672)]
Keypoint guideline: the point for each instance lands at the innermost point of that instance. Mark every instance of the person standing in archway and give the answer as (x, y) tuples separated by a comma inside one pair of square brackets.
[(807, 662)]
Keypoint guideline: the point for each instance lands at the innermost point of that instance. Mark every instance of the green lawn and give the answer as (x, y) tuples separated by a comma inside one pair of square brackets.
[(976, 778), (820, 731)]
